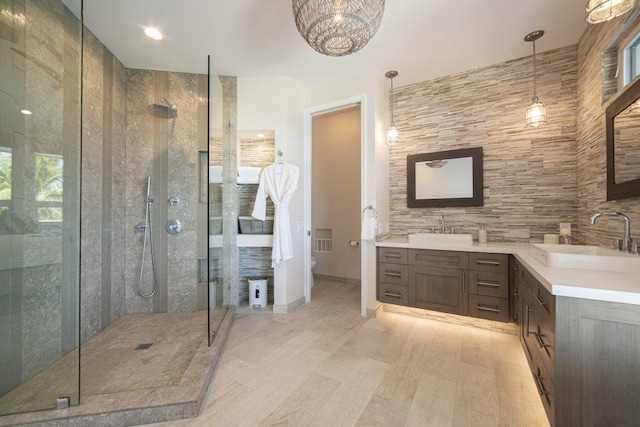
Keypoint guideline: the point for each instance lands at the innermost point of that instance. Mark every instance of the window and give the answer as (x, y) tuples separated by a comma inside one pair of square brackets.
[(5, 178), (631, 59), (48, 189)]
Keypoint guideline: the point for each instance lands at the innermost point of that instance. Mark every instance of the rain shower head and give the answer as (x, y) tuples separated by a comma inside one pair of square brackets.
[(163, 109)]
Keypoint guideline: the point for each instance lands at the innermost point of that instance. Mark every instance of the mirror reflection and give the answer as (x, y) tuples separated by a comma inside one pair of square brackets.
[(445, 179)]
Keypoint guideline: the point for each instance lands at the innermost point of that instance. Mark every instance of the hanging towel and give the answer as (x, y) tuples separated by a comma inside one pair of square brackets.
[(369, 223)]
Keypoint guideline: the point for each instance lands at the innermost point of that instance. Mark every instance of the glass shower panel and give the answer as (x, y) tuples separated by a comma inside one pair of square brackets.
[(217, 169), (40, 86)]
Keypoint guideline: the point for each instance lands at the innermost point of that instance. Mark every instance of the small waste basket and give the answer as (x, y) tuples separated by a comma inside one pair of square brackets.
[(257, 293)]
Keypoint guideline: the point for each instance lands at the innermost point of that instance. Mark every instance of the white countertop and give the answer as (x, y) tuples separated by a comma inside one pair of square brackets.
[(593, 285)]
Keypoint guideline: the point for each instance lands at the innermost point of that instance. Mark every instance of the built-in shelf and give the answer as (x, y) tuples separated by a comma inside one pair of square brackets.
[(245, 241), (254, 240)]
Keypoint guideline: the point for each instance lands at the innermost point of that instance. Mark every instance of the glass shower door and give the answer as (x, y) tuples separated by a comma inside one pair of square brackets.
[(40, 86), (218, 169)]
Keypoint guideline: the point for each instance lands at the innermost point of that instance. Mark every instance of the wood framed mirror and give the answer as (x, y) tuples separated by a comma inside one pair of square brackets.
[(445, 179), (623, 144)]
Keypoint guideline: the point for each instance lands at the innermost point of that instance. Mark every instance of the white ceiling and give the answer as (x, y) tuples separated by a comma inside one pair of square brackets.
[(422, 39)]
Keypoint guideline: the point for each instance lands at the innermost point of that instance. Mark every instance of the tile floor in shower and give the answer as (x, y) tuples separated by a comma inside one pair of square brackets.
[(117, 376)]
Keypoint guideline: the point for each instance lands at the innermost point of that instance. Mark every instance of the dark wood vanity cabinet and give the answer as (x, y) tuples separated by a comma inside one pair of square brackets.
[(474, 284), (537, 334)]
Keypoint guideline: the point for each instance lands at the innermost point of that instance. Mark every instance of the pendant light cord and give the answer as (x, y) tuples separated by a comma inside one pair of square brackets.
[(534, 72)]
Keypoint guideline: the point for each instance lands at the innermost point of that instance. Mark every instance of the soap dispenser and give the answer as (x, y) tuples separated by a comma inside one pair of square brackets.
[(482, 235)]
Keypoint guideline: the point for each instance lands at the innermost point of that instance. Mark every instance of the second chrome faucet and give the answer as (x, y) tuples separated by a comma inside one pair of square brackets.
[(626, 244)]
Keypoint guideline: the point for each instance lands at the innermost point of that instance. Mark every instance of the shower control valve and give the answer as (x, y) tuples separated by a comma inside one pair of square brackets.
[(174, 201), (174, 227)]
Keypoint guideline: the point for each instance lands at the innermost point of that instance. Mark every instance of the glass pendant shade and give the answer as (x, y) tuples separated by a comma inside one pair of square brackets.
[(605, 10), (536, 113), (337, 27), (393, 137)]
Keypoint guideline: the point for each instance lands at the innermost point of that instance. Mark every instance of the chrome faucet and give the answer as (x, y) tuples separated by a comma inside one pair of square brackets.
[(626, 237)]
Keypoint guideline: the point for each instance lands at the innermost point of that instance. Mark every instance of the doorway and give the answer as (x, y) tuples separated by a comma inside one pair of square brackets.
[(333, 193)]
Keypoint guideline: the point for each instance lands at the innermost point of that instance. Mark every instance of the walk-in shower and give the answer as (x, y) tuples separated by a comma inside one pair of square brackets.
[(163, 109), (49, 194), (147, 228)]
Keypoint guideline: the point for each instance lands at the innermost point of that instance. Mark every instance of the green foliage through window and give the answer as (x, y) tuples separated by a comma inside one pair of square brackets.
[(49, 187), (5, 174)]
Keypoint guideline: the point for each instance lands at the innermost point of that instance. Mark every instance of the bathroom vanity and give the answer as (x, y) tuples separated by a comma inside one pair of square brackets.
[(579, 330)]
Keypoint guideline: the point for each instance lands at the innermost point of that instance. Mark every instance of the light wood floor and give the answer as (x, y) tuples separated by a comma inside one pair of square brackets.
[(325, 365)]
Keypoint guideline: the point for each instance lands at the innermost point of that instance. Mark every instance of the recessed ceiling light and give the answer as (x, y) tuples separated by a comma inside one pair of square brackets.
[(153, 33), (26, 112), (260, 135)]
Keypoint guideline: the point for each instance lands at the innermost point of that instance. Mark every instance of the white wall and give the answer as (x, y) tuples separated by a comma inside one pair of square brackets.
[(278, 104), (375, 164)]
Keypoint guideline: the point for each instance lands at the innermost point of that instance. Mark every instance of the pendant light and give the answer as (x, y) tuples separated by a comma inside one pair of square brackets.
[(337, 27), (393, 137), (605, 10), (537, 112)]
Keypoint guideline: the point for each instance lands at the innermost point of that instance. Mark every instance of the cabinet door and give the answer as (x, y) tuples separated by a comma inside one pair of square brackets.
[(515, 279), (439, 289), (527, 329)]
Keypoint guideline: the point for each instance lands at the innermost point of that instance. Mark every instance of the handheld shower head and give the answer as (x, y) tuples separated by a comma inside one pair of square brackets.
[(148, 198)]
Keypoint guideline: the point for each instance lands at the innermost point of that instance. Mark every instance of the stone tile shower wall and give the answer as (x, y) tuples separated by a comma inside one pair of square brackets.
[(529, 174), (166, 150), (103, 186), (591, 140)]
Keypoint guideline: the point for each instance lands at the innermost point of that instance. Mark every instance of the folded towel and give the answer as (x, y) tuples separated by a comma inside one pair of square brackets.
[(249, 171), (255, 179), (369, 227)]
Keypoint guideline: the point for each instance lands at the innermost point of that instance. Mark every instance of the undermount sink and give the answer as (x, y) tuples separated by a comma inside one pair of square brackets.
[(442, 239), (593, 258)]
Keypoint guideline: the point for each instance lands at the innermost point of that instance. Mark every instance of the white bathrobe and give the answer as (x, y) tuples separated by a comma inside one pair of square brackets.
[(278, 181)]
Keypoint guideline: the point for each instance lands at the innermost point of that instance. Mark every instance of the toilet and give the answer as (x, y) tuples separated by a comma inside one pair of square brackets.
[(313, 264)]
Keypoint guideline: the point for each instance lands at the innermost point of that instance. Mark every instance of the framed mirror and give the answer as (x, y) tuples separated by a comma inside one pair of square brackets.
[(445, 179), (623, 144)]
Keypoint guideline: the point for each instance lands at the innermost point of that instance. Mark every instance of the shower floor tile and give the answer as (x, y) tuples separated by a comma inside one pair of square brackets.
[(172, 372)]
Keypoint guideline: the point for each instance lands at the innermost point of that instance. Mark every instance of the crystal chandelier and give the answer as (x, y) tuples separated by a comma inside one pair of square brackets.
[(537, 112), (393, 137), (337, 27), (605, 10)]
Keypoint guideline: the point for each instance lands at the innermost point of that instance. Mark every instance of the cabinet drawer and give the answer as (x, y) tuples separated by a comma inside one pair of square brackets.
[(392, 273), (497, 263), (439, 259), (393, 294), (489, 284), (490, 308), (392, 255)]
